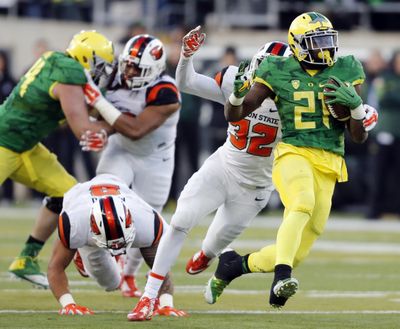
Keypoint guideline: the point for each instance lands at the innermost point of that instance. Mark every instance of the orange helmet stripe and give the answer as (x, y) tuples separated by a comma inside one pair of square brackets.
[(112, 226)]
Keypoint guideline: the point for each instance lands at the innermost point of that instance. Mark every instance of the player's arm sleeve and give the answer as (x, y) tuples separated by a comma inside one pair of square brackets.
[(191, 82)]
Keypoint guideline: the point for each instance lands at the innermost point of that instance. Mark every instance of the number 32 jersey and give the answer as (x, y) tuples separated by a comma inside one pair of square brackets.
[(250, 141)]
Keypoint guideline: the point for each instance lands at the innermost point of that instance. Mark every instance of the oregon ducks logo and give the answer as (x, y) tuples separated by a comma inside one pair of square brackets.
[(317, 18), (296, 84)]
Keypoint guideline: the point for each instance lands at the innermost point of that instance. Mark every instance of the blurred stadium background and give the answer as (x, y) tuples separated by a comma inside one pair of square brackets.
[(353, 272)]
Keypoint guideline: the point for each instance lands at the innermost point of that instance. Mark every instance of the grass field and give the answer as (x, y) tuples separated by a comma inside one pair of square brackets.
[(350, 280)]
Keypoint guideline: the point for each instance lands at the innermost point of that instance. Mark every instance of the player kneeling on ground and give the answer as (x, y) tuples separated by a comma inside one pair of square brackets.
[(102, 218)]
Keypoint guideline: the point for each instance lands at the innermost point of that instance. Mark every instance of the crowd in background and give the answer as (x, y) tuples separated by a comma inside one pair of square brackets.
[(373, 167)]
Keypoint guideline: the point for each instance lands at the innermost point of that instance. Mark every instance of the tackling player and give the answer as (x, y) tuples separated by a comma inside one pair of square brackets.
[(146, 105), (310, 158), (103, 218), (49, 93)]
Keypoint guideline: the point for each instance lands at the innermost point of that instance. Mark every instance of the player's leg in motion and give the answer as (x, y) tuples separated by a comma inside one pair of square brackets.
[(232, 265), (204, 193), (163, 305), (41, 171), (229, 222)]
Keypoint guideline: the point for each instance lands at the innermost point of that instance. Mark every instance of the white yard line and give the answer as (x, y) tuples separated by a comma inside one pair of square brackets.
[(195, 289)]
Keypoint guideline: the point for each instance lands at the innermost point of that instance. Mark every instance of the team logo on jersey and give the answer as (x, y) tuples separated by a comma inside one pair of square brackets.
[(296, 84)]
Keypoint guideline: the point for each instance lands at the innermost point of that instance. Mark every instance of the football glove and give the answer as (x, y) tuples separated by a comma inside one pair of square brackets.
[(371, 117), (91, 91), (342, 94), (242, 84), (192, 42), (74, 309), (93, 141)]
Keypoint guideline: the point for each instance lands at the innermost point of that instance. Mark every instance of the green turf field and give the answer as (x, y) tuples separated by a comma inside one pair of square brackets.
[(350, 280)]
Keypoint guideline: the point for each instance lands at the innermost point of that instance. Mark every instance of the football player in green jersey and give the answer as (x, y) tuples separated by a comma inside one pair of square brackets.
[(49, 93), (309, 159)]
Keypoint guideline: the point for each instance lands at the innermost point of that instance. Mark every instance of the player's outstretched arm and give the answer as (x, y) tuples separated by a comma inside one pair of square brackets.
[(188, 80), (58, 281)]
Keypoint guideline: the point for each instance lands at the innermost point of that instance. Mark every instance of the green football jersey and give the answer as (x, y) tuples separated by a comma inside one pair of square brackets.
[(299, 99), (31, 112)]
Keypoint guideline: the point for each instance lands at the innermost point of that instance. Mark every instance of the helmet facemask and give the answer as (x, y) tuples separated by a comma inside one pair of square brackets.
[(145, 74), (317, 47), (99, 69)]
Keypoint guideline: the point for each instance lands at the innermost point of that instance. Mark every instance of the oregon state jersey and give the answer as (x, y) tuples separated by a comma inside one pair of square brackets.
[(31, 112), (299, 98), (74, 221), (162, 91), (250, 141)]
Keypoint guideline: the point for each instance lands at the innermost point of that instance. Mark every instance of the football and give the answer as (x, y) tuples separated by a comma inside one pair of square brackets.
[(338, 111)]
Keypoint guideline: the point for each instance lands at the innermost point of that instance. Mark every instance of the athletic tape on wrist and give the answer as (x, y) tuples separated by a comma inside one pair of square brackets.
[(107, 110), (358, 113), (66, 299), (235, 101)]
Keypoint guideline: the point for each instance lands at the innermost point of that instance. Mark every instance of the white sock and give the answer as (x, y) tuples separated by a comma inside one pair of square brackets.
[(166, 300), (167, 253)]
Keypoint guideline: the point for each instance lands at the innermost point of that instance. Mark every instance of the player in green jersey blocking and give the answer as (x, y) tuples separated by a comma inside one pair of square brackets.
[(49, 93), (309, 160)]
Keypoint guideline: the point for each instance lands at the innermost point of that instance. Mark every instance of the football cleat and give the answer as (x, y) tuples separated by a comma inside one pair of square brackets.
[(214, 289), (198, 263), (143, 310), (169, 311), (282, 290), (27, 268), (79, 265), (128, 287)]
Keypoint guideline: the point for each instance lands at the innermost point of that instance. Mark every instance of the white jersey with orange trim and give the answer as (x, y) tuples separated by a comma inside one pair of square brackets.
[(159, 92), (74, 223), (247, 152), (146, 164)]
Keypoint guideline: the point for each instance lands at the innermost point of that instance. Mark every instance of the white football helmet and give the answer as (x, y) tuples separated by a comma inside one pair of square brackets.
[(274, 48), (147, 54), (112, 225)]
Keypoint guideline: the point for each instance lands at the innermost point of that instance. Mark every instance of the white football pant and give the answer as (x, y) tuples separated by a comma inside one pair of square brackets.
[(210, 188)]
